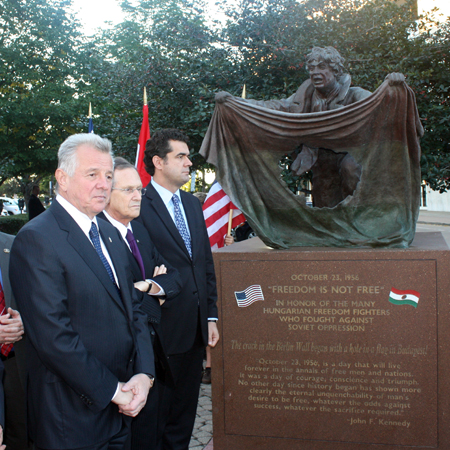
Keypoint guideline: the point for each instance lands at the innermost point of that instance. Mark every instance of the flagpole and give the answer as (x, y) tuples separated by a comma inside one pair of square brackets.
[(144, 136), (230, 219)]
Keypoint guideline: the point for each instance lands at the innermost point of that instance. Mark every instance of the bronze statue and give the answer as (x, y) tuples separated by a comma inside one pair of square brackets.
[(334, 175), (361, 148)]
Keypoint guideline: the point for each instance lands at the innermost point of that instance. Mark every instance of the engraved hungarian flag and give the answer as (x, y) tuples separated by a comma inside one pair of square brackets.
[(398, 297)]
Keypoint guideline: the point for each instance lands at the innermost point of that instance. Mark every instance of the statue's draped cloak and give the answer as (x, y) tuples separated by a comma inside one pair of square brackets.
[(246, 142)]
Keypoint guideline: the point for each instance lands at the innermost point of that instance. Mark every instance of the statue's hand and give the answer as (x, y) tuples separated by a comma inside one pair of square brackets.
[(222, 96), (395, 78)]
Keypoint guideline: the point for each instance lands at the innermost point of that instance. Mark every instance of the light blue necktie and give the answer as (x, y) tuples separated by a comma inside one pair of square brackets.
[(95, 238), (181, 224)]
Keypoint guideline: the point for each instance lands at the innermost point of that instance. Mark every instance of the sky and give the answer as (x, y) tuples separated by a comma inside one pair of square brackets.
[(93, 14)]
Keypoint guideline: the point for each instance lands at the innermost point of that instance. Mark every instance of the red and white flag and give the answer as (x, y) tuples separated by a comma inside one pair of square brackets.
[(216, 211), (144, 136)]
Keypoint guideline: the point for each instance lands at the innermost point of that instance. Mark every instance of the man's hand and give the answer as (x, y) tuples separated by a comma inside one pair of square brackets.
[(221, 96), (395, 78), (213, 334), (229, 240), (141, 286), (139, 385), (159, 270), (11, 327), (2, 447), (122, 398)]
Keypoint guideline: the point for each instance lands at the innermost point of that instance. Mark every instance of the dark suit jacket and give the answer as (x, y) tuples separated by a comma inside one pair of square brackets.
[(2, 399), (84, 337), (170, 282), (198, 295)]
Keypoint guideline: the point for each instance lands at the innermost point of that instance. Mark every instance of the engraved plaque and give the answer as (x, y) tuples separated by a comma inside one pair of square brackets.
[(328, 349)]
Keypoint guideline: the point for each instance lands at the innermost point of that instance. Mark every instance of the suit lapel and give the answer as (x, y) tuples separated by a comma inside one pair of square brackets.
[(80, 242), (135, 269), (160, 208), (112, 241)]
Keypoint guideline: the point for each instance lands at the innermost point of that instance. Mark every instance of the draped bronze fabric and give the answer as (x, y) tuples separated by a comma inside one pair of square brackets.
[(246, 142)]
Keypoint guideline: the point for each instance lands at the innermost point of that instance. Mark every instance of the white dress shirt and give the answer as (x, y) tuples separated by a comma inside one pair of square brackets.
[(166, 197), (123, 232)]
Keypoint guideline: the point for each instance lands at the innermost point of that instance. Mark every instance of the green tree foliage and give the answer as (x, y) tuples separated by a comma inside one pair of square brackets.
[(40, 85), (166, 47), (182, 58)]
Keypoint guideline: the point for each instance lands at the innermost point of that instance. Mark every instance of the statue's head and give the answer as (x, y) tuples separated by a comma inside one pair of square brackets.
[(325, 67)]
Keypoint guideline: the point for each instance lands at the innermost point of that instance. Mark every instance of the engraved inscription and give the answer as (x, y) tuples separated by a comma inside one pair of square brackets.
[(330, 356)]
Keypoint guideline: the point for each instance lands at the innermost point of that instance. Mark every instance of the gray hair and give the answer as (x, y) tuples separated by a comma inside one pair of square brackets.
[(330, 56), (122, 164), (67, 157)]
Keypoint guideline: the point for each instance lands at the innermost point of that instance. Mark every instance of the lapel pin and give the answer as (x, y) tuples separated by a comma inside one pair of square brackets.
[(137, 240), (6, 250), (110, 240)]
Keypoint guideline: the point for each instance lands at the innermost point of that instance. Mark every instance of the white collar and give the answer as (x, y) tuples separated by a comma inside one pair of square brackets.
[(120, 226), (164, 193), (82, 220)]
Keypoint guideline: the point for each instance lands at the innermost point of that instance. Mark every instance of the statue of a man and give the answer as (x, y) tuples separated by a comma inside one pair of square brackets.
[(335, 175)]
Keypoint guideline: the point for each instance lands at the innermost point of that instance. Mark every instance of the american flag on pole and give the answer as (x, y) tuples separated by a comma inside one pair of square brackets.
[(251, 295), (216, 211), (91, 123), (144, 136)]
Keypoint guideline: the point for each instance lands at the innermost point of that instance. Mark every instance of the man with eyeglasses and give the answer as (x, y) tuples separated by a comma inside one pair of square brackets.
[(154, 279)]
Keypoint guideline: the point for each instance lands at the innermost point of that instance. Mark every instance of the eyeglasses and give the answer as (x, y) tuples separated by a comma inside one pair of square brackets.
[(129, 191)]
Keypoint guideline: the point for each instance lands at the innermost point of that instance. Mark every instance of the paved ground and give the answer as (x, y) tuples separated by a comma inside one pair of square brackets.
[(434, 217), (202, 434), (435, 221)]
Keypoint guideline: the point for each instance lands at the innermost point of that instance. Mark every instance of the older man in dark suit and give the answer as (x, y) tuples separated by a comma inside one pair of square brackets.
[(90, 357), (174, 220), (155, 280)]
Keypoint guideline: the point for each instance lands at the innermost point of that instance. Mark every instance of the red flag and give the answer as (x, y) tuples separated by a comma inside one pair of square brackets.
[(216, 211), (144, 136)]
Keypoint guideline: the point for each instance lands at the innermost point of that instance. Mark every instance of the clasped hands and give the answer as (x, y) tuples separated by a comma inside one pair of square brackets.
[(11, 327), (132, 396)]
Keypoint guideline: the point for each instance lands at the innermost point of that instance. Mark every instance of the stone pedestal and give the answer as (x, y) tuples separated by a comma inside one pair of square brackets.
[(333, 349)]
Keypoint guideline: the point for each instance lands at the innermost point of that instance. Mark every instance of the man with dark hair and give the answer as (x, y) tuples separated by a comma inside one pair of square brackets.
[(90, 358), (155, 282), (174, 220)]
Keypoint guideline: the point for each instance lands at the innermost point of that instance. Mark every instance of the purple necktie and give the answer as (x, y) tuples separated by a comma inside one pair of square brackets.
[(136, 253)]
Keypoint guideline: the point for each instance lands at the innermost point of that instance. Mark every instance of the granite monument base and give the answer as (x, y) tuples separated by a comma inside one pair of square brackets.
[(333, 349)]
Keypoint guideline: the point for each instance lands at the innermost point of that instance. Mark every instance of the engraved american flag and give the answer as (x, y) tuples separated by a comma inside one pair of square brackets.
[(250, 295)]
